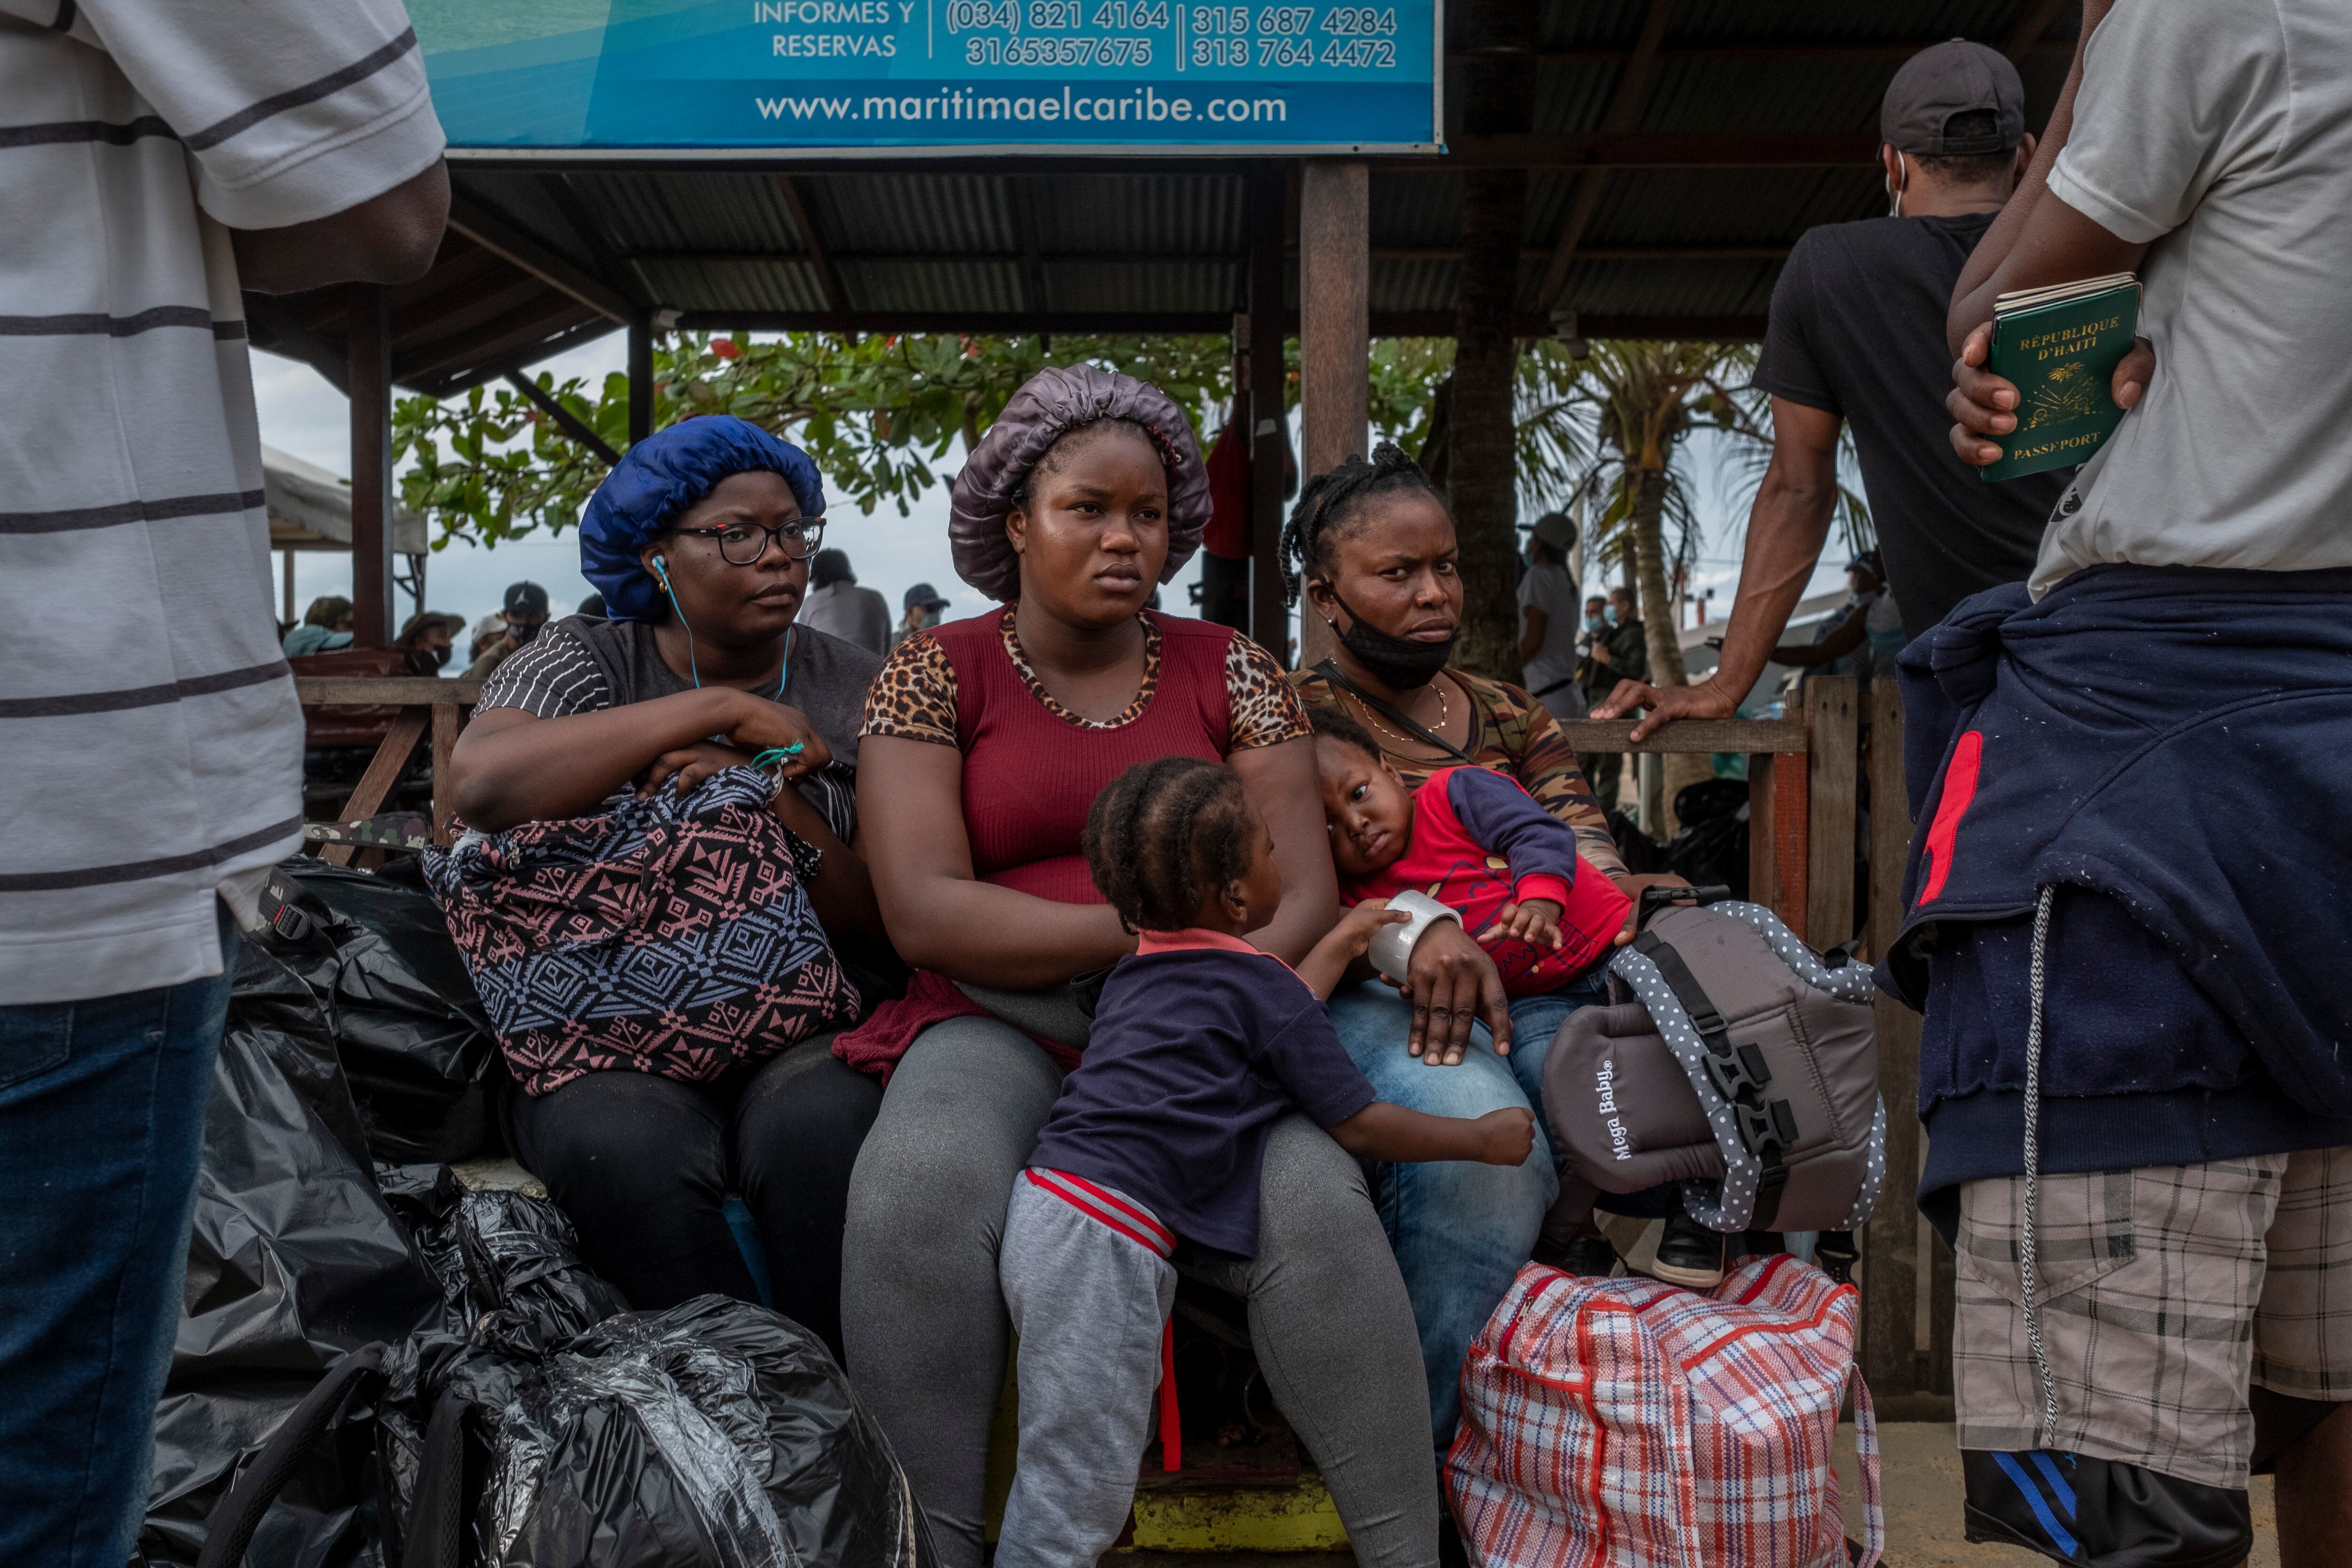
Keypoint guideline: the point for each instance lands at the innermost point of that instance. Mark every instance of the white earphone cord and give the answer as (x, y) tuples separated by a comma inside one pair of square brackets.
[(784, 666)]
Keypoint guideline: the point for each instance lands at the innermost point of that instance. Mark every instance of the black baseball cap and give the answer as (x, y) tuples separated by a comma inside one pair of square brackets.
[(1949, 78), (924, 596), (527, 599)]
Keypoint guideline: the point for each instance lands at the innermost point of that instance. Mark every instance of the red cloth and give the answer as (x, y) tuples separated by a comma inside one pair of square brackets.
[(1444, 861), (1228, 462), (876, 1046), (1029, 779)]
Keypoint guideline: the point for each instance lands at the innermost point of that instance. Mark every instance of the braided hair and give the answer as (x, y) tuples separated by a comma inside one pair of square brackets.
[(1331, 724), (1334, 497), (1164, 834)]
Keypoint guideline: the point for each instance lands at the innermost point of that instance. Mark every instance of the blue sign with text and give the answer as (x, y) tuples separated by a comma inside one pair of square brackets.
[(867, 76)]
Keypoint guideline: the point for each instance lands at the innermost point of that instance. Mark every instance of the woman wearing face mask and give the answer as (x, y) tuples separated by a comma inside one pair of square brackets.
[(986, 742), (1375, 549)]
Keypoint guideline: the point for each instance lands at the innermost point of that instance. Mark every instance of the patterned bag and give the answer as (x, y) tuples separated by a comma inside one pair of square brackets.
[(1633, 1423), (671, 935)]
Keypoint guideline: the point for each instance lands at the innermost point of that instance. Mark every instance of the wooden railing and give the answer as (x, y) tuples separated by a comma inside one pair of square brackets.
[(1804, 776)]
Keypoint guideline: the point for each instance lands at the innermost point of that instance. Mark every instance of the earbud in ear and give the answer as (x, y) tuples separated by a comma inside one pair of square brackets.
[(661, 569)]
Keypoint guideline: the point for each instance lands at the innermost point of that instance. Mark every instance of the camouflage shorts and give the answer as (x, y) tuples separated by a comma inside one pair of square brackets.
[(2163, 1292)]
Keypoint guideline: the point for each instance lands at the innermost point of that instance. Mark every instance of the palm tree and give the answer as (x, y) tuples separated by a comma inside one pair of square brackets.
[(1610, 427)]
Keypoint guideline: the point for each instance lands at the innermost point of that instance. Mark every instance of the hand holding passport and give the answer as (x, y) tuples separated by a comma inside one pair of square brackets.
[(2049, 377)]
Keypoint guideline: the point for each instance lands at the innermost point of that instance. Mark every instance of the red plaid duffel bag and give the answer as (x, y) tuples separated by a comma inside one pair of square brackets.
[(1633, 1423)]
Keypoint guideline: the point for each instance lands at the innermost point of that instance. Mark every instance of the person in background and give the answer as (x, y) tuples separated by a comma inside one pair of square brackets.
[(1856, 335), (2136, 998), (923, 604), (1617, 650), (326, 627), (1863, 641), (428, 640), (486, 632), (160, 161), (839, 605), (593, 607), (1548, 617), (525, 613)]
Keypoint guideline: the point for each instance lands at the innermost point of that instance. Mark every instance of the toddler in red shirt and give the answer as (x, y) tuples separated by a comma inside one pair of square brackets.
[(1474, 841)]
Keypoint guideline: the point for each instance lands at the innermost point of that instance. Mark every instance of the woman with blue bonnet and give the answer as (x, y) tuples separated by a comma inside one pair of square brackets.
[(700, 541)]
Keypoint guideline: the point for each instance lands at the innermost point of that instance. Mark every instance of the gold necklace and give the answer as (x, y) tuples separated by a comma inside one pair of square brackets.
[(1444, 713)]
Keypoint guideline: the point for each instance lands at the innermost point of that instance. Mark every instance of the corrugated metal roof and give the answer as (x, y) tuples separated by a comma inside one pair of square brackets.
[(1149, 215), (1007, 245), (929, 215)]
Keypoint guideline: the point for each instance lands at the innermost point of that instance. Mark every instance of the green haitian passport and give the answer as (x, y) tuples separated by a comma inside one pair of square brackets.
[(2060, 346)]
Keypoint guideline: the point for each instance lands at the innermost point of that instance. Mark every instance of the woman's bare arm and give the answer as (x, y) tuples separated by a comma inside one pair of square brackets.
[(1280, 781), (941, 917)]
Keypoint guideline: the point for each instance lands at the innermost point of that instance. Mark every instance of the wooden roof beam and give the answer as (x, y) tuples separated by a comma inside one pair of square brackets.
[(1624, 112), (494, 233), (1556, 149), (610, 266), (812, 250)]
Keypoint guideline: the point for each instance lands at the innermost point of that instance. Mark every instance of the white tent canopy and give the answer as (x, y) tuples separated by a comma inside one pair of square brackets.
[(311, 509)]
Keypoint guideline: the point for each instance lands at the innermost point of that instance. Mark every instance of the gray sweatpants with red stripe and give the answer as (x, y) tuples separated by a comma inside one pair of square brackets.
[(1089, 1305)]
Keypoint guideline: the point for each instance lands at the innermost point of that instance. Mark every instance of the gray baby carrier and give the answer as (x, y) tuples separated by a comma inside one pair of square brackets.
[(1732, 1059)]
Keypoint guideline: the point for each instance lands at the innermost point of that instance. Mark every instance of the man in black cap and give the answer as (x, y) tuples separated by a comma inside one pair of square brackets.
[(922, 606), (525, 613), (1856, 334)]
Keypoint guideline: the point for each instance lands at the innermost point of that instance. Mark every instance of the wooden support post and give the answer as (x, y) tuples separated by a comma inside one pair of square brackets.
[(1890, 1301), (383, 771), (448, 718), (368, 373), (1776, 835), (1269, 431), (641, 380), (1832, 776), (287, 616), (1334, 331)]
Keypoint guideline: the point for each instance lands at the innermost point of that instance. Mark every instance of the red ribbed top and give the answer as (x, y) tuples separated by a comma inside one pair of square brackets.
[(1032, 773)]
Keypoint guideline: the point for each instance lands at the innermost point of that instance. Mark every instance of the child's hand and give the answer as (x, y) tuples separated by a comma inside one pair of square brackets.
[(1536, 921), (1357, 928), (1326, 965), (1505, 1136)]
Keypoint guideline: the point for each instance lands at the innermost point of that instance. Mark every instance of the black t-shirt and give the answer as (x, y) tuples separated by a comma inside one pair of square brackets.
[(1857, 330)]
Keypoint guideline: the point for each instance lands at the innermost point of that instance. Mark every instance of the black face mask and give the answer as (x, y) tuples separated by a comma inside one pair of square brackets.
[(1402, 663), (524, 630), (441, 655)]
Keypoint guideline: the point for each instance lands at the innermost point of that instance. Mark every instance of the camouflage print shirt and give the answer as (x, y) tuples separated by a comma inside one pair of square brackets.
[(1515, 735)]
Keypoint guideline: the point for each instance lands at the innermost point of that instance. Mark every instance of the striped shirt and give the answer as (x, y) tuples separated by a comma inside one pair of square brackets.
[(554, 676), (151, 747)]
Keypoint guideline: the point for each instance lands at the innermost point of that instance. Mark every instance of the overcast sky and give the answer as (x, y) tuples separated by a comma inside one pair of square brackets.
[(301, 413)]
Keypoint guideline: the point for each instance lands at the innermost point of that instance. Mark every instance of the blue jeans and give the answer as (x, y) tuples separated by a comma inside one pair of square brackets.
[(101, 1124), (1460, 1231)]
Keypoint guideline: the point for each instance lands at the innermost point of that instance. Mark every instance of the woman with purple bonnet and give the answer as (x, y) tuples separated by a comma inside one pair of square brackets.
[(985, 741), (700, 541)]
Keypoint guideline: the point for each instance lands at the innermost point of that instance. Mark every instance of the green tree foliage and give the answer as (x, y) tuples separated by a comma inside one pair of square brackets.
[(877, 413)]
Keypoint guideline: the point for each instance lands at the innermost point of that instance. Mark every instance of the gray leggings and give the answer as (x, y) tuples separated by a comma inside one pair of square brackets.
[(925, 1327)]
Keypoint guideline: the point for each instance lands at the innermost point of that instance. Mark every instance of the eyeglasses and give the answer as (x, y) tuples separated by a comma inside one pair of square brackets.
[(744, 543)]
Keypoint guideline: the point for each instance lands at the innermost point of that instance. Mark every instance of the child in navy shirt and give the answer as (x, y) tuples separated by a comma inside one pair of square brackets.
[(1200, 1042)]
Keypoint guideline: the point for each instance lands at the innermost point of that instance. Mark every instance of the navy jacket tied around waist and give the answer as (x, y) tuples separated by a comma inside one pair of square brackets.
[(2179, 739)]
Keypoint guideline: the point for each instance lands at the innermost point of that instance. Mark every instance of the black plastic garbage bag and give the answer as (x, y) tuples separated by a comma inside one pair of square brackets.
[(508, 1263), (416, 1045), (294, 1263), (715, 1435)]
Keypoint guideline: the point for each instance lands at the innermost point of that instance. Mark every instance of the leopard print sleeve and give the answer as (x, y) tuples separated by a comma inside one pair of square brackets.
[(913, 694), (1265, 708)]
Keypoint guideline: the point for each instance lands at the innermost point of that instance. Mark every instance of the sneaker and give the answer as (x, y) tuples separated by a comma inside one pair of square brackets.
[(1688, 1253), (1585, 1255)]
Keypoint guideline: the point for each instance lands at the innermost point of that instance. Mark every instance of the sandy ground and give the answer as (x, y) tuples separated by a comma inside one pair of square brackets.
[(1921, 1472)]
